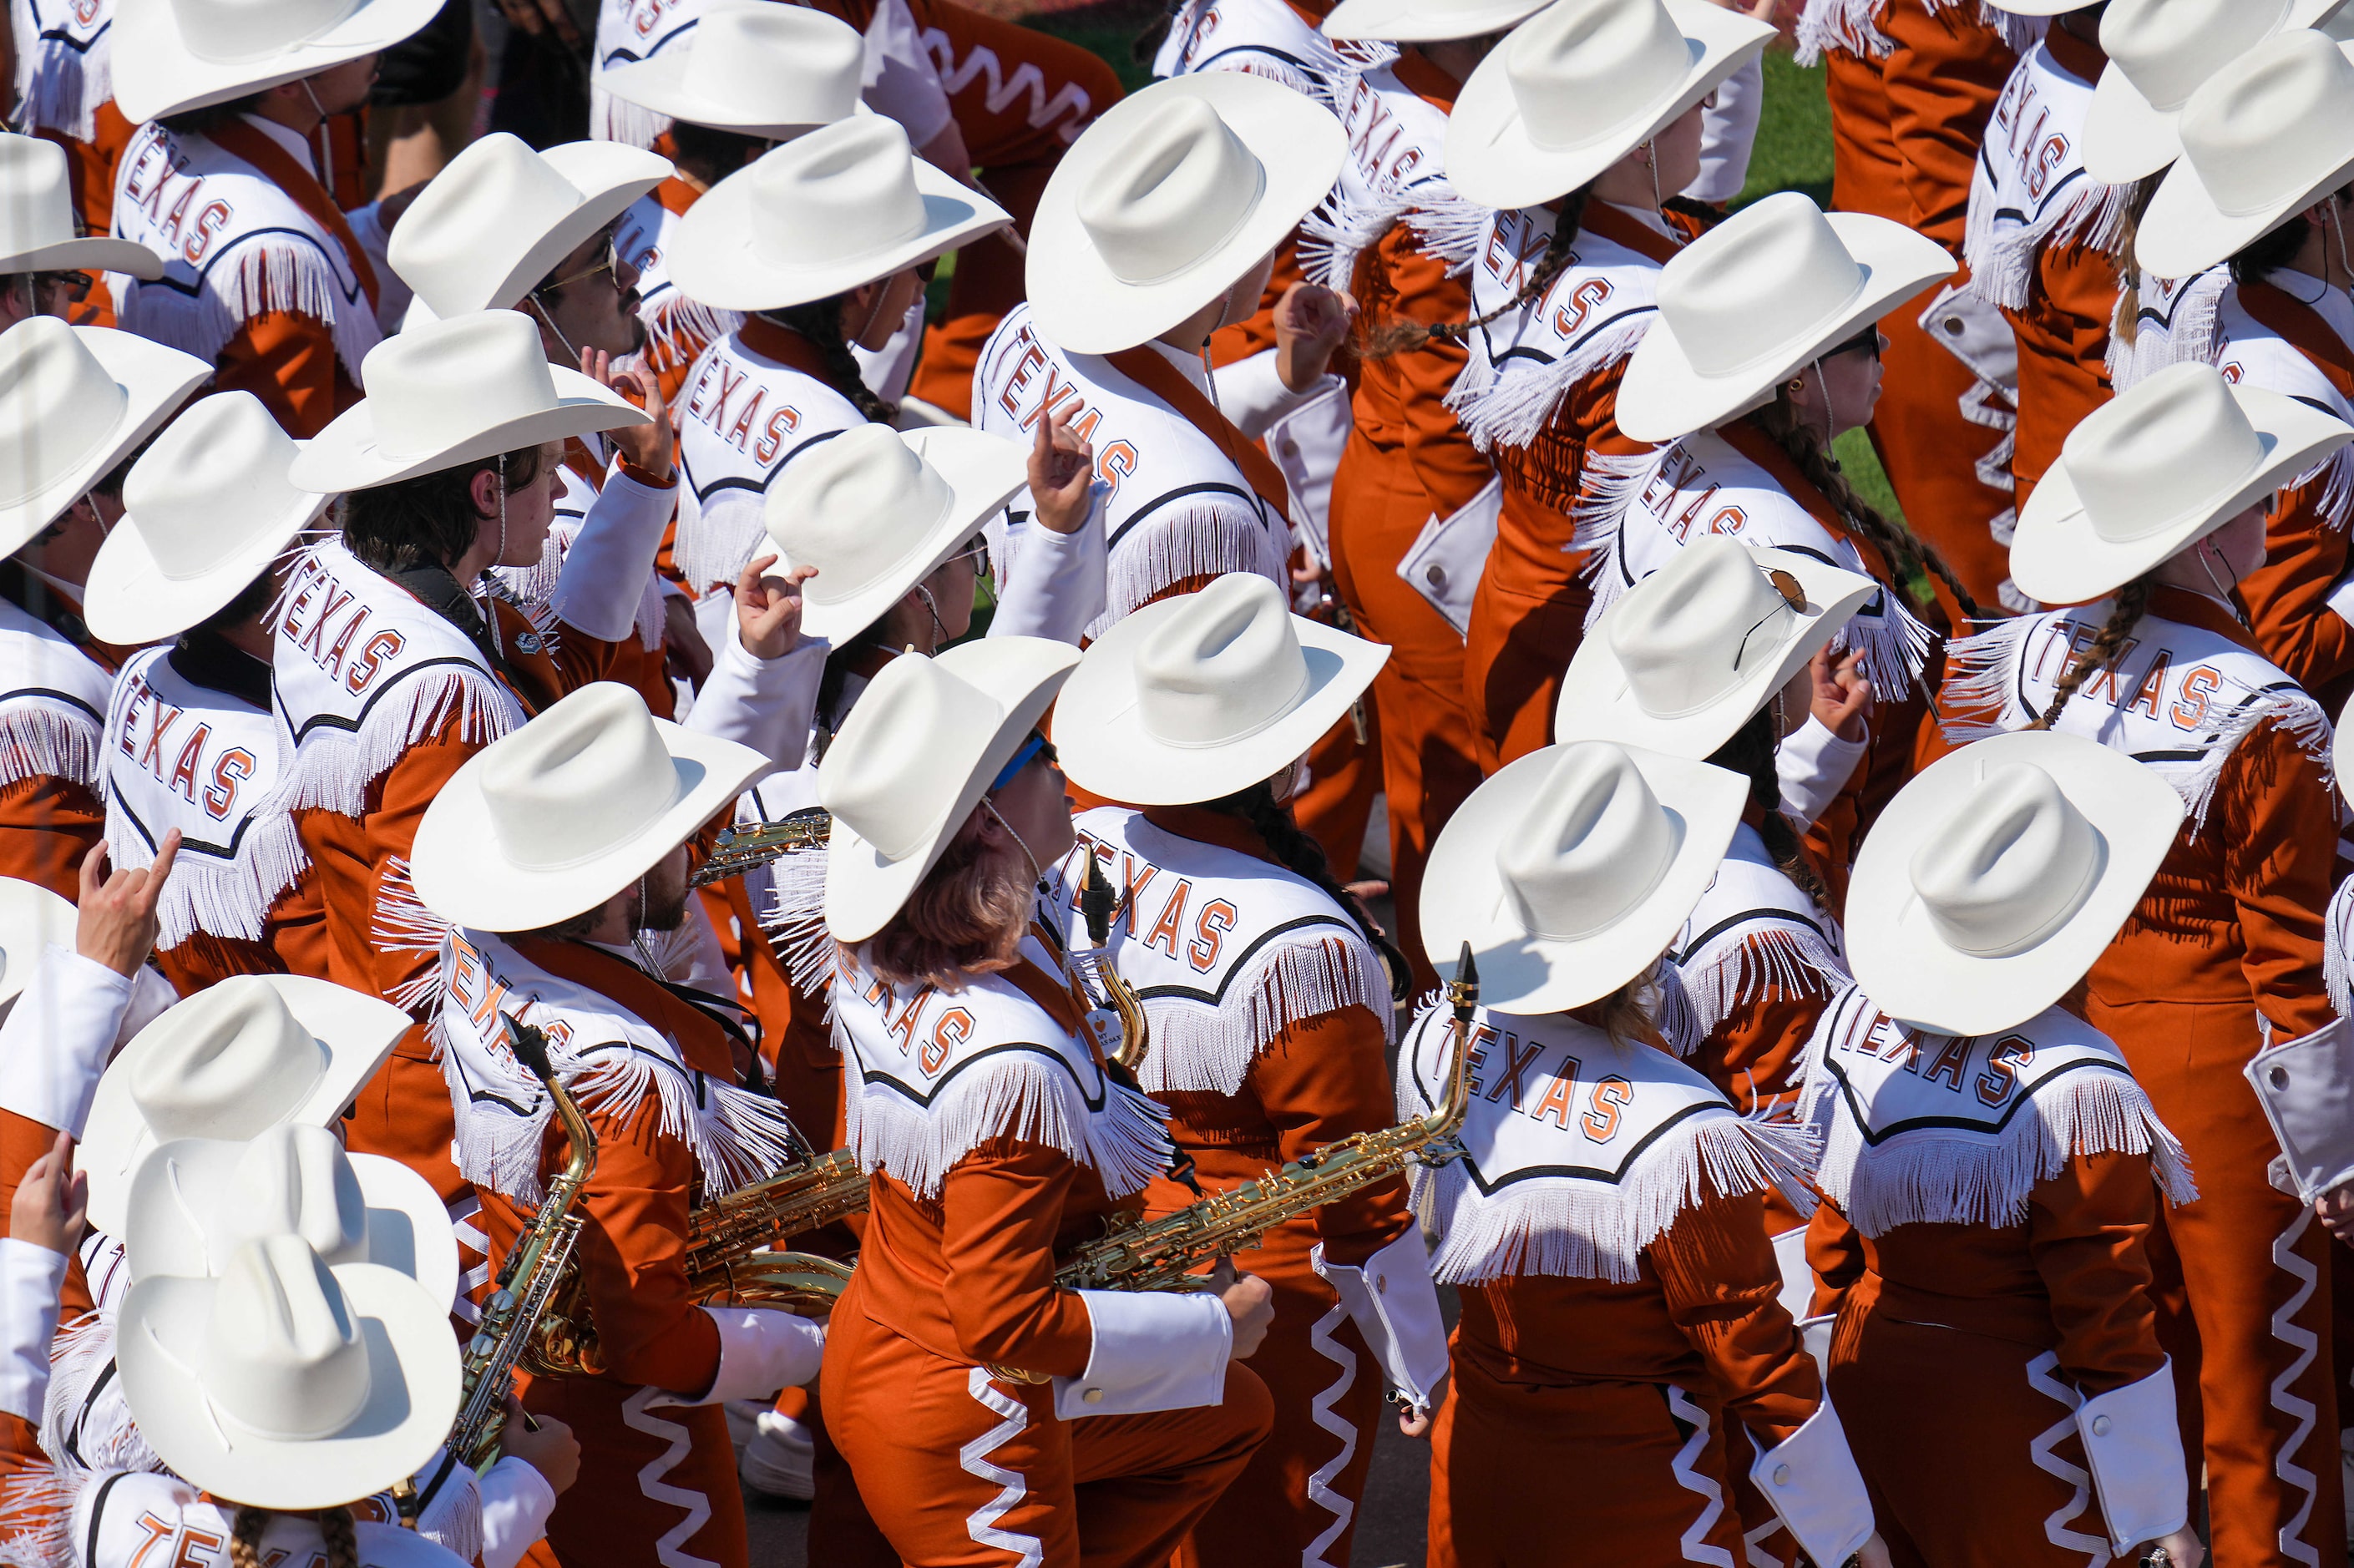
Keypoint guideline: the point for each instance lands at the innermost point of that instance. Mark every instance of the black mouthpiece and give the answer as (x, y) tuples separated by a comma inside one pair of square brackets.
[(1096, 901), (529, 1046), (1466, 972)]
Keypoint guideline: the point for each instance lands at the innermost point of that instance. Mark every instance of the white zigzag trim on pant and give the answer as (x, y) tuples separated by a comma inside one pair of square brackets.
[(1319, 1410), (1681, 1405), (670, 1549), (470, 1239), (2055, 1524), (2305, 1343), (981, 1522)]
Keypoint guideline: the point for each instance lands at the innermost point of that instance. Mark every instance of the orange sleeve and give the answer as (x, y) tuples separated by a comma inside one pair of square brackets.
[(2287, 597), (2278, 821), (1447, 466), (1754, 1055), (22, 1141), (2086, 1228), (1941, 79), (47, 825), (1722, 1288), (631, 1254), (999, 1211), (288, 362), (396, 806), (1835, 1254), (1324, 1079)]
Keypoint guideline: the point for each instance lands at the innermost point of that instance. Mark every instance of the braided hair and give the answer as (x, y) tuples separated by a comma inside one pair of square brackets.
[(2125, 321), (1750, 753), (1908, 555), (1302, 855), (342, 1538), (1395, 337), (819, 321), (2105, 650)]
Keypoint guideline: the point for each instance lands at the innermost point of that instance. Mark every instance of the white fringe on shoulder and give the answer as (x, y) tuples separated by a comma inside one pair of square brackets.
[(1510, 406), (1695, 1000), (400, 923), (2337, 949), (1976, 698), (76, 1421), (37, 1509), (2002, 265), (44, 742), (2294, 714), (619, 119), (1852, 26), (1199, 1046), (229, 899), (2018, 34), (2187, 329), (718, 542), (1180, 542), (58, 89), (794, 922), (269, 273)]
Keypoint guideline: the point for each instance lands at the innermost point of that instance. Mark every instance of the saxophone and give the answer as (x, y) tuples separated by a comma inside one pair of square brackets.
[(1097, 907), (728, 1239), (515, 1319), (740, 850), (1139, 1254)]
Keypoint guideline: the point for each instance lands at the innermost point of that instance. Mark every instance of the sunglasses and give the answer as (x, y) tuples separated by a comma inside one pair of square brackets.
[(75, 286), (1865, 342), (1793, 597), (611, 263), (976, 550), (1035, 747)]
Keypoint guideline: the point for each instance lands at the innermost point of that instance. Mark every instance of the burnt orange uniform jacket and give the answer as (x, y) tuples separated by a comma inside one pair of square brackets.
[(47, 823)]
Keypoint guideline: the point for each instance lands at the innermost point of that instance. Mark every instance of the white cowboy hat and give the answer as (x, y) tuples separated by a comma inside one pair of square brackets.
[(847, 203), (1168, 199), (1421, 21), (1760, 297), (239, 1056), (2267, 137), (1583, 83), (74, 402), (2155, 469), (206, 510), (1205, 693), (450, 392), (754, 68), (1570, 869), (569, 811), (36, 218), (283, 1383), (1993, 880), (920, 749), (172, 56), (2039, 7), (876, 513), (499, 217), (32, 920), (1682, 660), (195, 1201), (2160, 51)]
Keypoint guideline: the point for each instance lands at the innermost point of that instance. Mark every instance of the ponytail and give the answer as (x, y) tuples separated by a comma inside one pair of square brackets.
[(2105, 650), (1750, 753), (1395, 337), (820, 322), (1301, 854)]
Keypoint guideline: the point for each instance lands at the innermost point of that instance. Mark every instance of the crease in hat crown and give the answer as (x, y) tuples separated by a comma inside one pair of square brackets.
[(2148, 457), (764, 57), (235, 1061), (1589, 848), (213, 480), (295, 1179), (232, 32), (35, 202), (2166, 48), (860, 506), (467, 243), (2010, 866), (1225, 667), (843, 190), (886, 774), (1686, 634), (1580, 69), (57, 405), (2270, 123), (582, 779), (283, 1356), (1732, 295), (441, 383), (1176, 190)]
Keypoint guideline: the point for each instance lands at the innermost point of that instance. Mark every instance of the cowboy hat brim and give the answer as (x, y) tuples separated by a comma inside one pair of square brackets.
[(2185, 230), (413, 1393), (1464, 898), (354, 1034), (2341, 751), (32, 920), (2058, 557), (1402, 21), (156, 380), (129, 601), (156, 73), (97, 253), (1108, 751), (609, 175), (464, 876), (1494, 161), (863, 887), (1085, 307), (715, 258), (1895, 951), (183, 1220), (1663, 394), (658, 83), (984, 472), (1597, 701), (345, 456)]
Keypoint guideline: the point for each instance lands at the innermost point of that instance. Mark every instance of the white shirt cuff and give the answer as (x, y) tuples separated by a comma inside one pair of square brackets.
[(760, 1351), (604, 577), (1812, 1482), (2136, 1449), (1395, 1307), (1153, 1350), (1252, 394), (1813, 765), (765, 704), (58, 1038), (30, 1279), (1728, 133), (516, 1502), (1054, 585)]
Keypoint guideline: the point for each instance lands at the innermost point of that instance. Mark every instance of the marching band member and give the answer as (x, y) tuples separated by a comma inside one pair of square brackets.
[(984, 1410), (1576, 128), (47, 267), (820, 244), (1157, 228), (1268, 1004), (75, 403), (189, 747), (1991, 1168), (64, 79), (1782, 301), (2157, 502), (1621, 1322), (265, 276), (582, 820)]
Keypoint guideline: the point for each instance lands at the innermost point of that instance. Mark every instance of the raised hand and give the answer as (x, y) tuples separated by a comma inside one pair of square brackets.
[(647, 445), (768, 609), (1311, 322), (1062, 475), (115, 922)]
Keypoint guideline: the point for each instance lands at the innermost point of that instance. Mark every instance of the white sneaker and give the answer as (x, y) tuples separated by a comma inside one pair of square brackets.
[(744, 1419), (780, 1461)]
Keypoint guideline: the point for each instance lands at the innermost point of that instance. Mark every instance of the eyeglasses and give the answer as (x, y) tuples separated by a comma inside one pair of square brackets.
[(1794, 597), (976, 550), (1865, 342), (75, 286), (611, 263), (1038, 746)]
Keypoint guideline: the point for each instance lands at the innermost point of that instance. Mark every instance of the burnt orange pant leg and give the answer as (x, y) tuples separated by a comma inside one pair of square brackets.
[(645, 1473), (2256, 1270), (1529, 1477), (1428, 763), (1515, 655), (1344, 774), (1020, 97), (1951, 470)]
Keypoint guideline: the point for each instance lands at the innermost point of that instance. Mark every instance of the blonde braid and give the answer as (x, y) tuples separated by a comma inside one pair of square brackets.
[(2106, 648), (245, 1536)]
